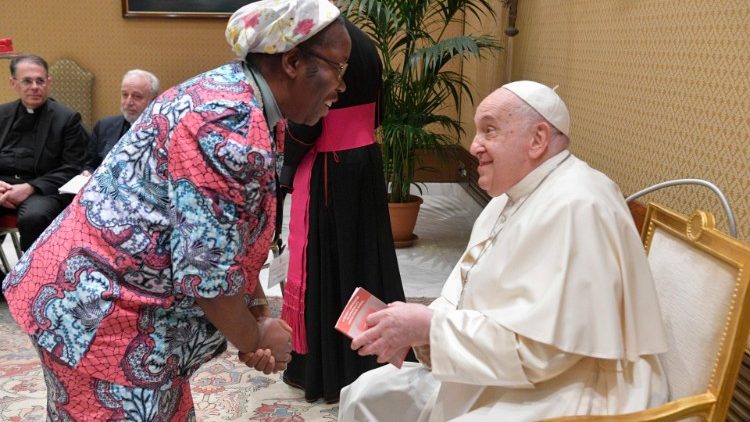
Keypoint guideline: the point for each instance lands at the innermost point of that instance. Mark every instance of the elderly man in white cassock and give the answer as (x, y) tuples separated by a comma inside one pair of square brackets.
[(551, 310)]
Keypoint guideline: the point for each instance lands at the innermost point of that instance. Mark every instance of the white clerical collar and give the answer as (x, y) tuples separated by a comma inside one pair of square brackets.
[(532, 180)]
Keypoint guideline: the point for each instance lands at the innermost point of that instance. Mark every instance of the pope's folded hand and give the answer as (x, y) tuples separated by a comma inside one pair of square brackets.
[(391, 330)]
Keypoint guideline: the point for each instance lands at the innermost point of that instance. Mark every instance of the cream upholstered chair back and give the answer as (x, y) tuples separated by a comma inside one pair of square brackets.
[(701, 276), (73, 86)]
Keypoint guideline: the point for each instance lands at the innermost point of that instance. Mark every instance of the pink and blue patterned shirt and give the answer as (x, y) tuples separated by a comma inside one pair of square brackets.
[(183, 206)]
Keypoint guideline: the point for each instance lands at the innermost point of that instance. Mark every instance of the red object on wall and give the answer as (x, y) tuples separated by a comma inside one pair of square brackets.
[(6, 45)]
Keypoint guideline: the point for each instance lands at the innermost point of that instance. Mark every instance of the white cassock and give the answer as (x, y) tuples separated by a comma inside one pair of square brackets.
[(551, 311)]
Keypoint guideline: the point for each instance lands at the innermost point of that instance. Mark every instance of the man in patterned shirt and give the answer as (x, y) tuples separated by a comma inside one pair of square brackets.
[(143, 278)]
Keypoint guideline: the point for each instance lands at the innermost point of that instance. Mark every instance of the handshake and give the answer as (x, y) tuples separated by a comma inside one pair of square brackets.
[(274, 347)]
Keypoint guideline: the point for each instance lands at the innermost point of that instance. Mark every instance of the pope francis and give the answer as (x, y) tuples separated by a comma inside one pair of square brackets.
[(551, 310)]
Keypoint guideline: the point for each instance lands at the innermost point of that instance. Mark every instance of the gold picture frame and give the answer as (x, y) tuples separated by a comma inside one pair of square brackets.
[(180, 8)]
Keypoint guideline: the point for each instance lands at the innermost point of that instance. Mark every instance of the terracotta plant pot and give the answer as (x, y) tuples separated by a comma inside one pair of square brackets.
[(403, 219)]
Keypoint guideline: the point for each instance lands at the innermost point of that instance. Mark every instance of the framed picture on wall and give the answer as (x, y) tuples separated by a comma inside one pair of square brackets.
[(180, 8)]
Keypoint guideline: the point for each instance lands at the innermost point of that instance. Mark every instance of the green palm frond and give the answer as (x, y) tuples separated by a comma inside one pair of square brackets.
[(419, 90), (435, 56)]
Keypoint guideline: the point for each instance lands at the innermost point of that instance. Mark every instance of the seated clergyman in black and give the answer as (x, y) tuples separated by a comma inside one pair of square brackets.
[(42, 145)]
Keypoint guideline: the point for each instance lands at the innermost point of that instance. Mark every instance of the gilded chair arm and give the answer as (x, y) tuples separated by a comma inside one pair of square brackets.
[(698, 405)]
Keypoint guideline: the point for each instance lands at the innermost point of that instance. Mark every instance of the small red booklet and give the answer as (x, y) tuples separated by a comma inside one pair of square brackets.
[(353, 319)]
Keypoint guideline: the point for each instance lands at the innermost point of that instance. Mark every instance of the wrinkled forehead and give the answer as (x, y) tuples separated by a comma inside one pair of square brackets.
[(498, 106)]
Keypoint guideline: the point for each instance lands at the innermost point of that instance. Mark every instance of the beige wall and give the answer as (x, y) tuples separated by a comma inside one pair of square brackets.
[(487, 73), (94, 34), (658, 89)]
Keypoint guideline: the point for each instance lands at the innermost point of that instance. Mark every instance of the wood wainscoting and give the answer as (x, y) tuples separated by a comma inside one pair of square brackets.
[(638, 211), (453, 165)]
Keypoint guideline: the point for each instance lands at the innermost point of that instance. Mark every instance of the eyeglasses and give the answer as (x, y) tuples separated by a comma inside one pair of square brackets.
[(27, 82), (340, 67)]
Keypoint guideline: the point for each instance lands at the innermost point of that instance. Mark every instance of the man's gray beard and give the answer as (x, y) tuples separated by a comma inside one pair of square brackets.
[(125, 116)]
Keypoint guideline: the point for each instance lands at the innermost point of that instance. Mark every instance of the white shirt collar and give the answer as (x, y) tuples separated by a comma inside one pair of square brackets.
[(532, 180)]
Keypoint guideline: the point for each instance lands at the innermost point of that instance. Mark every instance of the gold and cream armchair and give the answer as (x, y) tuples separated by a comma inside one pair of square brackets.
[(702, 277)]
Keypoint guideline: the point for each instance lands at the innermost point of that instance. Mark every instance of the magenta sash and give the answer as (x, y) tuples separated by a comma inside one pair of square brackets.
[(343, 129)]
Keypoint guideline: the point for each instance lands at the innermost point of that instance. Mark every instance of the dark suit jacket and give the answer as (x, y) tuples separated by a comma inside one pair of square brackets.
[(106, 134), (60, 145)]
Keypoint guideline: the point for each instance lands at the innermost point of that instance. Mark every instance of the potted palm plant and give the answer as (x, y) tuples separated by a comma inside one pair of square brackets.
[(421, 90)]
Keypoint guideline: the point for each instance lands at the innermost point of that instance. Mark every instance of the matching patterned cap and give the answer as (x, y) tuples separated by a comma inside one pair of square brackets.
[(277, 26)]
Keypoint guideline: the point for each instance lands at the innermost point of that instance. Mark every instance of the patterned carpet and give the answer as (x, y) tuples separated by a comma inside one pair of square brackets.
[(223, 389)]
